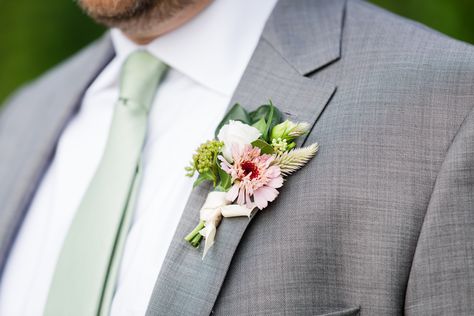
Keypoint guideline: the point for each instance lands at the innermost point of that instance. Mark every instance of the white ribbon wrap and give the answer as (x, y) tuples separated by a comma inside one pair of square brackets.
[(216, 207)]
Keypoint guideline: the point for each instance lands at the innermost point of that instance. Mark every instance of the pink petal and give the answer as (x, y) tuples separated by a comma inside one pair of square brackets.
[(268, 193), (225, 165), (241, 198), (267, 160), (254, 151), (276, 182), (250, 205), (247, 197), (273, 172), (232, 193), (259, 200)]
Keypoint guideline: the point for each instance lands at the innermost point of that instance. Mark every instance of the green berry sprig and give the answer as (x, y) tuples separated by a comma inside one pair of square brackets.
[(205, 157)]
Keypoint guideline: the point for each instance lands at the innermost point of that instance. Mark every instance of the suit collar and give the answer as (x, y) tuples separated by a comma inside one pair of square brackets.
[(213, 48), (307, 33)]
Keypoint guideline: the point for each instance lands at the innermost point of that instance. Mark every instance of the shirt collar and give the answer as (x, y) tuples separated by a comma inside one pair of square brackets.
[(214, 47)]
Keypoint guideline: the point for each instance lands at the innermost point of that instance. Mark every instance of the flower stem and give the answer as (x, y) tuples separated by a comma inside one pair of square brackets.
[(194, 237), (196, 241)]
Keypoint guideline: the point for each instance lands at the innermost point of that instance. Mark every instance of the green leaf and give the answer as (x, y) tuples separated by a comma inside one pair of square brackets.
[(225, 181), (236, 113), (270, 114), (208, 175), (265, 148), (261, 125), (270, 118)]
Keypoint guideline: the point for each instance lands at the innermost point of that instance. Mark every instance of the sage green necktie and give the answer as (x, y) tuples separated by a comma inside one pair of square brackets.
[(85, 273)]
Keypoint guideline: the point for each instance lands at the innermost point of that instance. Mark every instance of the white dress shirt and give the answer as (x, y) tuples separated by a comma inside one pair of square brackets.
[(207, 57)]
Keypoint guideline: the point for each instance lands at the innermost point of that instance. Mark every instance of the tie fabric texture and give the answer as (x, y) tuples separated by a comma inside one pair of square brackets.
[(84, 279)]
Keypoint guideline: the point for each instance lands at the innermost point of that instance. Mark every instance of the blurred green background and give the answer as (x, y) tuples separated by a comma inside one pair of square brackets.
[(37, 35)]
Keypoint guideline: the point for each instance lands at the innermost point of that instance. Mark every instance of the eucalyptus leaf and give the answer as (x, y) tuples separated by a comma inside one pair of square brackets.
[(236, 113), (265, 148)]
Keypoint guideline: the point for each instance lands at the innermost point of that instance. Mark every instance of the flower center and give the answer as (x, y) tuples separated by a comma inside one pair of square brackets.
[(250, 168)]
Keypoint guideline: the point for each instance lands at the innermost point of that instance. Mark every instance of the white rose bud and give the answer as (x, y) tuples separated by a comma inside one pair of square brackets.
[(238, 133)]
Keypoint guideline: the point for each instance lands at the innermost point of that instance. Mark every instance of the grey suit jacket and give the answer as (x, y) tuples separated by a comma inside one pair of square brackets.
[(381, 222)]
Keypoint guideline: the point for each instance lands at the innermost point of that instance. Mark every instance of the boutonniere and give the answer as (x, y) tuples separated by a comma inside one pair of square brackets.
[(247, 162)]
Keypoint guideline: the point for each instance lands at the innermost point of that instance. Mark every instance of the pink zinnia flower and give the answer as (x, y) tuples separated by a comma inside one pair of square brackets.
[(255, 181)]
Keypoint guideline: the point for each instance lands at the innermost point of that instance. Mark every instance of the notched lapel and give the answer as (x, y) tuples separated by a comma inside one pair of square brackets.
[(307, 33), (269, 77), (188, 285)]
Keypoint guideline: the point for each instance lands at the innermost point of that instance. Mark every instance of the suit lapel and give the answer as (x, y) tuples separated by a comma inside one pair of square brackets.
[(30, 129), (188, 285)]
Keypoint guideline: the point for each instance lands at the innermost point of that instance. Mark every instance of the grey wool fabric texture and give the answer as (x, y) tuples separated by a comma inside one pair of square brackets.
[(380, 222)]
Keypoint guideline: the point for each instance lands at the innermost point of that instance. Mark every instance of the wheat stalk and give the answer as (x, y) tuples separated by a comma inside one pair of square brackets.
[(291, 161)]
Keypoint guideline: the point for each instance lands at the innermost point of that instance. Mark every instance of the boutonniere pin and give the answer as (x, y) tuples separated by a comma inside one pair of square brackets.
[(247, 163)]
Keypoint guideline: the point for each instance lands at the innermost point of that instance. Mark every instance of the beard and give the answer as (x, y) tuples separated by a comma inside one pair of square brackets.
[(133, 16)]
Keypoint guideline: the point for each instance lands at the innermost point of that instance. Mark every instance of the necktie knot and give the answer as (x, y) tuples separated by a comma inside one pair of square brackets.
[(140, 75)]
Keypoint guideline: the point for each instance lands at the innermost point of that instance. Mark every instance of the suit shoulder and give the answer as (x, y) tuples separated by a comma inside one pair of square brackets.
[(405, 62), (404, 48), (60, 74), (396, 33)]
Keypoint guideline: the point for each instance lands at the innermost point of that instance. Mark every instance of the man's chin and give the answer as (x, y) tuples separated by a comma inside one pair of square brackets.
[(114, 13)]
